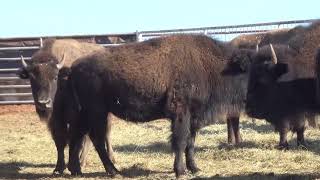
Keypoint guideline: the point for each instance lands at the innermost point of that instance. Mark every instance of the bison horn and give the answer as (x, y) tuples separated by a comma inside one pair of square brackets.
[(60, 65), (24, 64), (274, 56)]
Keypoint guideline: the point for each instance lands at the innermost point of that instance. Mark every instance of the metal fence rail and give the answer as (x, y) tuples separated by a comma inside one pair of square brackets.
[(21, 93), (227, 32)]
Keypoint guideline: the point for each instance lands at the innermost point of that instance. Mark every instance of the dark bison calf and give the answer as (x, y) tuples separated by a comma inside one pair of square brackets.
[(283, 103)]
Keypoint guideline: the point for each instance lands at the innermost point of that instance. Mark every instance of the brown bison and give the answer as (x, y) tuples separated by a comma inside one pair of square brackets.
[(191, 80), (51, 94)]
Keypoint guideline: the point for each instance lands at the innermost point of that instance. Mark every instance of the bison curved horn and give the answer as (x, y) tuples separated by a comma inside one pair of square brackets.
[(274, 56), (60, 65), (24, 64)]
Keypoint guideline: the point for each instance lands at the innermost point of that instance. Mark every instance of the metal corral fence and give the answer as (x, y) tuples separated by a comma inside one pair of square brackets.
[(17, 91)]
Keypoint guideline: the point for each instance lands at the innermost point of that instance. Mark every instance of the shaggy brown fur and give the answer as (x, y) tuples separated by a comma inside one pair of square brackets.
[(69, 49), (250, 41), (191, 80)]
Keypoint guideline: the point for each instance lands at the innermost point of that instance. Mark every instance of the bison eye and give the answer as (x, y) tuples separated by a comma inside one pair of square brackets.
[(55, 78)]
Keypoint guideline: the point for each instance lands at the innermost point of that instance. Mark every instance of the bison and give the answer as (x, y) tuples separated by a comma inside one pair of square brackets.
[(283, 103), (47, 72), (252, 41), (192, 80)]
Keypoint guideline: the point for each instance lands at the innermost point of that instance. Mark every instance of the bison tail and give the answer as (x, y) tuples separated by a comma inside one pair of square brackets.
[(318, 76)]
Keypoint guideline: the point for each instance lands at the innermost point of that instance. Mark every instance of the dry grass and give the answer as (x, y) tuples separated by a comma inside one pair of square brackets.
[(142, 152)]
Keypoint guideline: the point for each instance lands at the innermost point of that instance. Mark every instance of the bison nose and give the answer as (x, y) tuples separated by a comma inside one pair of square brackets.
[(46, 102)]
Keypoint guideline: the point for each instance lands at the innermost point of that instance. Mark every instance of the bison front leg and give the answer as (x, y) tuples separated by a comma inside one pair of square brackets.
[(231, 137), (77, 133), (180, 134), (300, 137), (234, 136), (60, 142), (59, 134), (283, 144), (191, 165)]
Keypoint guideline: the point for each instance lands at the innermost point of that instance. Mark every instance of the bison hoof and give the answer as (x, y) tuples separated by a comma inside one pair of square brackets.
[(76, 173), (113, 172), (58, 171), (180, 171), (194, 170), (283, 147), (192, 167)]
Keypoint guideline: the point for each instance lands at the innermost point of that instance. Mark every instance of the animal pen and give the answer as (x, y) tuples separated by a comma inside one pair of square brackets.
[(14, 90)]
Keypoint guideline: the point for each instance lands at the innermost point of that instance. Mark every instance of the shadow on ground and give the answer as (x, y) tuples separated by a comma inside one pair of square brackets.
[(135, 171), (258, 176), (261, 128), (11, 170), (156, 147)]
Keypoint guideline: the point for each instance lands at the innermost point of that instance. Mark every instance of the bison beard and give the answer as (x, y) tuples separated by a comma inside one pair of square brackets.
[(191, 80)]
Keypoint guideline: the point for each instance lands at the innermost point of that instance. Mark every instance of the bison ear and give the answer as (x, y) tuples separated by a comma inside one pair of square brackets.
[(279, 69), (23, 73)]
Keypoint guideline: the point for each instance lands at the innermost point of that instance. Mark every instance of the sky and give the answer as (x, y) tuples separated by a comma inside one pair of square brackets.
[(23, 18)]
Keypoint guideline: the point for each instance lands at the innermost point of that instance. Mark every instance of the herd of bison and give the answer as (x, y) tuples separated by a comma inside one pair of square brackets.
[(191, 80)]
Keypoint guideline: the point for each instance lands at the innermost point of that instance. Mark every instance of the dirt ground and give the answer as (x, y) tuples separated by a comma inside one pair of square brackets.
[(142, 151), (11, 109)]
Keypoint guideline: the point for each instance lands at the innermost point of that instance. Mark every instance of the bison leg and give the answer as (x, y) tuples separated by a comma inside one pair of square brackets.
[(108, 139), (98, 135), (85, 146), (60, 142), (234, 136), (236, 130), (191, 165), (180, 128), (300, 137), (283, 144), (231, 137), (77, 132), (312, 120), (58, 131)]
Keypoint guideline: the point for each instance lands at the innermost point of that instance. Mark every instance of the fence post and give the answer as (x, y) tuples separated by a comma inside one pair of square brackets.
[(138, 36), (41, 43)]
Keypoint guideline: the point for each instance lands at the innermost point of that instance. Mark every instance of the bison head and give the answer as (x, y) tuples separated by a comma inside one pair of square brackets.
[(239, 62), (43, 74), (264, 73)]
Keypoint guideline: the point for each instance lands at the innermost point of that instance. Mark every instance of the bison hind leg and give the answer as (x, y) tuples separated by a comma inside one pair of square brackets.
[(86, 144), (189, 152), (180, 128), (98, 136)]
